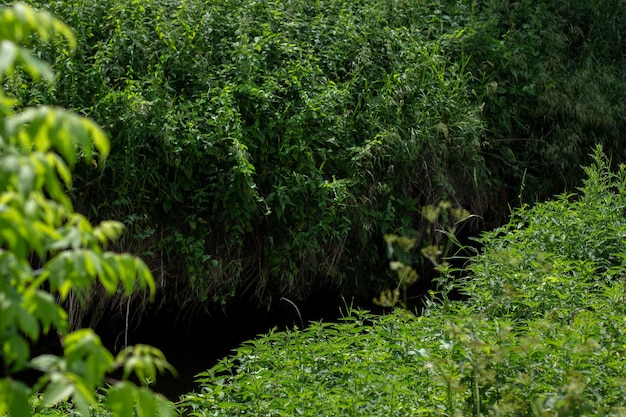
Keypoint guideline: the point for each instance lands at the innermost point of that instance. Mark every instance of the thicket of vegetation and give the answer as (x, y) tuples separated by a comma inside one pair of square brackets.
[(262, 148), (540, 333)]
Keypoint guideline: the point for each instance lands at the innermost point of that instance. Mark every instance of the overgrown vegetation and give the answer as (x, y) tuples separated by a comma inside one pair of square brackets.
[(49, 253), (262, 148), (540, 334)]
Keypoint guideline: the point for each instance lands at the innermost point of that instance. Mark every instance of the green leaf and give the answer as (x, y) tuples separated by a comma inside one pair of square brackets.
[(28, 323), (144, 276), (49, 312), (121, 399), (35, 66), (61, 168), (14, 398), (57, 390), (18, 351), (127, 272), (164, 407), (146, 404), (45, 363), (8, 55)]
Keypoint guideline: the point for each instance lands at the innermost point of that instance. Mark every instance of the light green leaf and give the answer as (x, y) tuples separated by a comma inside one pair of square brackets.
[(109, 278), (18, 351), (83, 398), (165, 408), (108, 230), (35, 67), (144, 276), (127, 273), (121, 399), (28, 323), (57, 390), (14, 398), (146, 404), (45, 363), (61, 168), (8, 55), (49, 312)]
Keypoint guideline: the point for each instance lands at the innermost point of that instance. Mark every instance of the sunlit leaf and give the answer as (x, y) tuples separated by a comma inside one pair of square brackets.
[(35, 67), (146, 403), (164, 407), (57, 390), (121, 399), (28, 323), (8, 55), (14, 398)]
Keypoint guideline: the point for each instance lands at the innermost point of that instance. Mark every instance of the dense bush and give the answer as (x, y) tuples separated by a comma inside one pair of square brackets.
[(557, 72), (262, 148), (540, 334)]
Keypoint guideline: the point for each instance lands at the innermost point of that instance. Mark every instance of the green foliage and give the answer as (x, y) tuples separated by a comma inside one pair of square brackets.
[(552, 74), (260, 147), (541, 333), (48, 252), (268, 144)]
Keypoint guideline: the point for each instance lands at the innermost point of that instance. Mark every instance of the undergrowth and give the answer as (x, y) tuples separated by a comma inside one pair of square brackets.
[(541, 333)]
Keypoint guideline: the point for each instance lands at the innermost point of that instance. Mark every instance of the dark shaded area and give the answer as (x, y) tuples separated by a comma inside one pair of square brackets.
[(194, 344)]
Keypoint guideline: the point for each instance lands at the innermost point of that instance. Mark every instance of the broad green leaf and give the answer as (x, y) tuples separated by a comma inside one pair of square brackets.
[(20, 21), (99, 138), (57, 390), (28, 323), (26, 178), (144, 276), (57, 270), (108, 230), (49, 312), (109, 277), (164, 407), (146, 403), (35, 67), (144, 361), (62, 169), (121, 399), (92, 263), (45, 363), (8, 55), (127, 272), (17, 351), (82, 397), (14, 398)]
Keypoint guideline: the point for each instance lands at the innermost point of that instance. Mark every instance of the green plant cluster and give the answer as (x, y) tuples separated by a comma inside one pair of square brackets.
[(50, 254), (556, 75), (260, 147), (541, 333)]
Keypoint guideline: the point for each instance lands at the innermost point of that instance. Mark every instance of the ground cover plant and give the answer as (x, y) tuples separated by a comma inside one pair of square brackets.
[(540, 334), (50, 254)]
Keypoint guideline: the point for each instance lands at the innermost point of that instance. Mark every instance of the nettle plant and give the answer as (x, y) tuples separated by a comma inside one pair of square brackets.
[(49, 253)]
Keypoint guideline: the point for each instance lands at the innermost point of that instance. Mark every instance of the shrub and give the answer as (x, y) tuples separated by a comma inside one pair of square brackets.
[(261, 147)]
